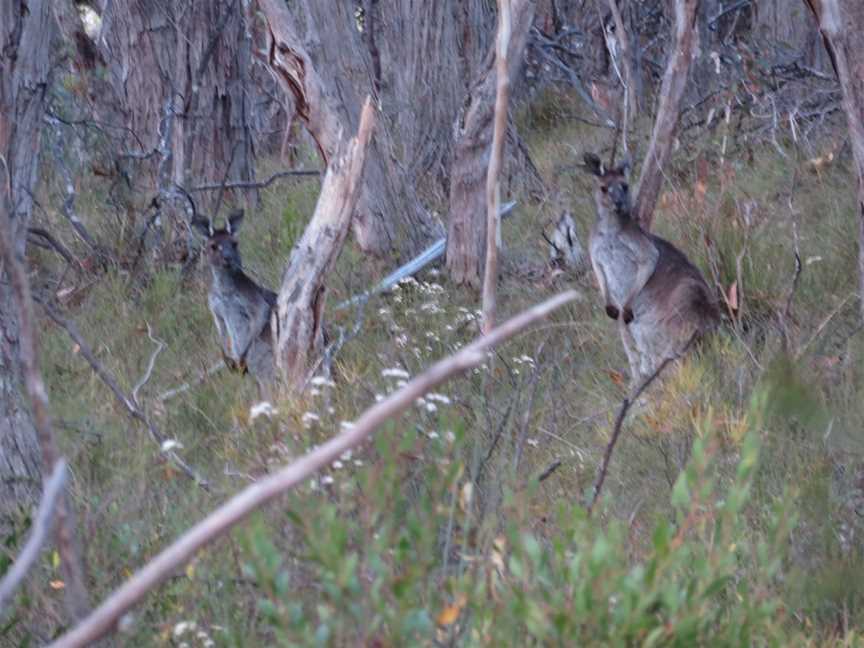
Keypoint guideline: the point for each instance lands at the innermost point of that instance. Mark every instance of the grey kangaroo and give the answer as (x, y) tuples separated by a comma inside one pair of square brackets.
[(241, 308), (658, 297)]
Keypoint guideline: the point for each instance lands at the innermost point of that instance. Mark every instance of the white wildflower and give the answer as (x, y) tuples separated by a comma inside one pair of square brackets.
[(338, 465), (170, 444), (441, 398), (395, 372), (309, 418), (432, 435), (327, 480), (263, 408), (183, 627)]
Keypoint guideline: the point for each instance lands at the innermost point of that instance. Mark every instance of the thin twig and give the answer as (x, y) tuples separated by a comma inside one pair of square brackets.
[(42, 527), (128, 403), (200, 378), (150, 365), (239, 507), (257, 185), (546, 474), (622, 413)]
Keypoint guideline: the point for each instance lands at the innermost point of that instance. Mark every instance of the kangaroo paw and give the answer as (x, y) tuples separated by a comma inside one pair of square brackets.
[(627, 315), (612, 311)]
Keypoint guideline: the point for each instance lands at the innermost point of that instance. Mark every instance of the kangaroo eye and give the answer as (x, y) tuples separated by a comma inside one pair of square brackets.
[(624, 186), (214, 245), (604, 188)]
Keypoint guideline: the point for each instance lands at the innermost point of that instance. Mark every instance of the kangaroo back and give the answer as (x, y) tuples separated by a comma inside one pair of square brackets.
[(240, 308)]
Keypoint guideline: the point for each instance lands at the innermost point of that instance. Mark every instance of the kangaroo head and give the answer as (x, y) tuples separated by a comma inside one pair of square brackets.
[(221, 248), (612, 191)]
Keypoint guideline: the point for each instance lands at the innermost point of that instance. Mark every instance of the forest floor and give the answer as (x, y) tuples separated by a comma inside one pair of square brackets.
[(408, 541)]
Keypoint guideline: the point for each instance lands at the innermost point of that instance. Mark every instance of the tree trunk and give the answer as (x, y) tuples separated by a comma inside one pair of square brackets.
[(300, 307), (668, 111), (187, 64), (24, 75), (327, 72), (466, 236), (842, 24)]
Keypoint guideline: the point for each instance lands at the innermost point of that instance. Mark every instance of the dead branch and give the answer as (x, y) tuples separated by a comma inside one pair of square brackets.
[(258, 185), (668, 111), (51, 243), (300, 306), (129, 404), (200, 378), (77, 598), (622, 414), (239, 507), (493, 187), (43, 526), (160, 345)]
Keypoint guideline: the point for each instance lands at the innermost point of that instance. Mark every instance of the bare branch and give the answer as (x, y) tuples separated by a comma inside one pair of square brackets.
[(43, 525), (493, 187), (258, 185), (622, 414), (238, 508), (129, 404)]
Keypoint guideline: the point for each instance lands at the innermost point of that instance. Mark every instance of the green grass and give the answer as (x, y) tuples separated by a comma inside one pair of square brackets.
[(438, 531)]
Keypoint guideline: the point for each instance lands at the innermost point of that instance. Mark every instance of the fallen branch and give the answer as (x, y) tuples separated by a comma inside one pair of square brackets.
[(128, 403), (622, 414), (239, 507), (43, 526)]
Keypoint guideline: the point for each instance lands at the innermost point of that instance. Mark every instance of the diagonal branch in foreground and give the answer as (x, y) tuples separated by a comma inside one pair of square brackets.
[(238, 508)]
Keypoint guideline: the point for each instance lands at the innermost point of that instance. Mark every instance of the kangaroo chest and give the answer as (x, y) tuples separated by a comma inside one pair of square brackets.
[(620, 256)]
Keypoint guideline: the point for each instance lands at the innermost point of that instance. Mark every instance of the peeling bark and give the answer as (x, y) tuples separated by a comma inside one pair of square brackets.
[(389, 217), (298, 327)]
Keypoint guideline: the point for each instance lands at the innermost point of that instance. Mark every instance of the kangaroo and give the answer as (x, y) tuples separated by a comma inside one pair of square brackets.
[(658, 297), (241, 308)]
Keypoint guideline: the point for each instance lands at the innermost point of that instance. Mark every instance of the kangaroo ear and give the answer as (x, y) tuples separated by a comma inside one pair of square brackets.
[(624, 167), (593, 164), (234, 221), (203, 225)]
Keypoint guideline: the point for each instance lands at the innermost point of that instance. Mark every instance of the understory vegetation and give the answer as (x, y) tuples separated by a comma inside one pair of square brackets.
[(731, 516)]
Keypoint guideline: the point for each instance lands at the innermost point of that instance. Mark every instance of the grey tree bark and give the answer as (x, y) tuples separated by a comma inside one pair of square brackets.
[(191, 61), (466, 235), (24, 78), (326, 64)]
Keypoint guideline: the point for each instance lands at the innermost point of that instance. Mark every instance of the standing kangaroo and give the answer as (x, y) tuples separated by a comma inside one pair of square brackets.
[(241, 308), (658, 297)]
